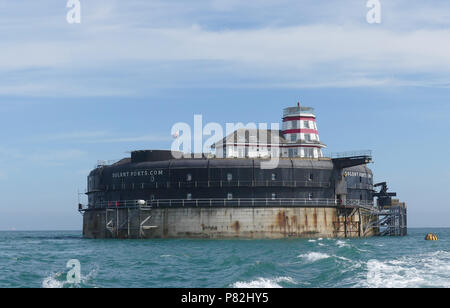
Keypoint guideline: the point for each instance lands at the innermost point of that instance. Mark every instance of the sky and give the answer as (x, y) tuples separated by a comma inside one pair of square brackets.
[(73, 94)]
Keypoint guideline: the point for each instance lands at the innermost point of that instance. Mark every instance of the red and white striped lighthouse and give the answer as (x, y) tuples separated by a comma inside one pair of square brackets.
[(300, 132)]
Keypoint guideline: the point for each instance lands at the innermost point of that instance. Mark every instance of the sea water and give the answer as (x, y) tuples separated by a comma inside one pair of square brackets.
[(40, 259)]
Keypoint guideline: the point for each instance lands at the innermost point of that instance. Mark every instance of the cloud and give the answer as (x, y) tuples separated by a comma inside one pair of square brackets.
[(100, 137), (56, 156), (75, 135), (130, 49), (144, 138)]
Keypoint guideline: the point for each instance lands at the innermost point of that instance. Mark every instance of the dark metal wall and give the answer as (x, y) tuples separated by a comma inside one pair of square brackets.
[(217, 178)]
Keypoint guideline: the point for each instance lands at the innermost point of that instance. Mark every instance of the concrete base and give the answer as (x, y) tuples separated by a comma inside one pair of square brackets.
[(272, 223)]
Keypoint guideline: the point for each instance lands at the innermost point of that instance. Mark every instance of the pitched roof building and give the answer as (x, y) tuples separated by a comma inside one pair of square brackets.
[(299, 137)]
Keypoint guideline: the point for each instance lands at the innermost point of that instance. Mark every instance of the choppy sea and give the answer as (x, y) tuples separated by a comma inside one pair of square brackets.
[(39, 259)]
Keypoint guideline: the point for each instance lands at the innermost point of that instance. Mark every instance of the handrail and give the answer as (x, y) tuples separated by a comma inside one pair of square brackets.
[(238, 202), (351, 154), (207, 184)]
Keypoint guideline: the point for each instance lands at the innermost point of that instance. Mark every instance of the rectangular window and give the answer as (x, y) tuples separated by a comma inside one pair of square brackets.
[(229, 177), (230, 196), (306, 124), (189, 196), (293, 137), (274, 176), (189, 177), (274, 196)]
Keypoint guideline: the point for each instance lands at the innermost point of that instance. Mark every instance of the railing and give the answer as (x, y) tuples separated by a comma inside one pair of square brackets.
[(209, 184), (245, 202), (104, 163), (360, 186), (350, 154), (296, 110)]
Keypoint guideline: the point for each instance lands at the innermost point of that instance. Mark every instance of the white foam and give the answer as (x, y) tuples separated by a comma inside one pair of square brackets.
[(341, 244), (314, 256), (58, 280), (427, 270), (311, 241), (52, 282), (263, 283)]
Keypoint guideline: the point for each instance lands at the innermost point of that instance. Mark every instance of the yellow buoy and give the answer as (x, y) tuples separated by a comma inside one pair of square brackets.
[(431, 237)]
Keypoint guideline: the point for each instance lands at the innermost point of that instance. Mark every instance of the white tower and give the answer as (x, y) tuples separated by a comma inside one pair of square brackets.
[(300, 132)]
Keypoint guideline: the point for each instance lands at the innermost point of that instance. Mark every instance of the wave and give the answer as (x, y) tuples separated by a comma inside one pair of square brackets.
[(54, 281), (59, 280), (341, 244), (314, 256), (264, 283), (427, 270)]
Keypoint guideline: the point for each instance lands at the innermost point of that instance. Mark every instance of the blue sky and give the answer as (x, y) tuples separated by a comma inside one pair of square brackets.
[(72, 94)]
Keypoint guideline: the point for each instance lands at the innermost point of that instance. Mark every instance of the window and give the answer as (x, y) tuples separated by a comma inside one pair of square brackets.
[(189, 177), (294, 124), (230, 196), (189, 196), (293, 152), (274, 196), (293, 137), (311, 176), (310, 196), (229, 177), (152, 197), (307, 137), (274, 176), (306, 124)]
